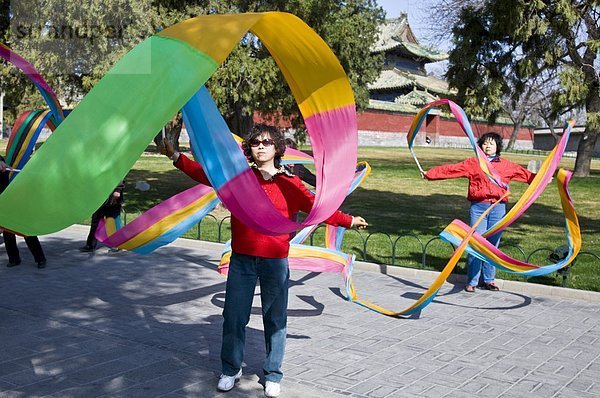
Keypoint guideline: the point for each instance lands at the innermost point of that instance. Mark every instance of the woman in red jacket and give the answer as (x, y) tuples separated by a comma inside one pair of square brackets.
[(482, 193), (260, 257)]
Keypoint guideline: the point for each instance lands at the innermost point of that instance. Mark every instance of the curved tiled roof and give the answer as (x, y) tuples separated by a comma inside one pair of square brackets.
[(416, 97), (390, 34), (392, 106), (431, 83), (396, 78), (424, 52), (395, 33), (390, 78)]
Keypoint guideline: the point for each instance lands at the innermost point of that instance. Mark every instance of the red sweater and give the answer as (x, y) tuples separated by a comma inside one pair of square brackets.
[(481, 188), (288, 194)]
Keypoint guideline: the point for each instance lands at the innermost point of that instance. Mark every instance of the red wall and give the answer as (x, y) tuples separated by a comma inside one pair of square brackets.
[(269, 119), (396, 122), (393, 122)]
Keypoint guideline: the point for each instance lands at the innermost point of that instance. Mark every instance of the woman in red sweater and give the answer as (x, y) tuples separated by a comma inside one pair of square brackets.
[(260, 257), (482, 193)]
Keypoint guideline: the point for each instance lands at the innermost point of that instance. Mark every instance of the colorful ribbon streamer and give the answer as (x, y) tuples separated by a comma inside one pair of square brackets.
[(466, 239), (313, 258), (121, 114), (325, 100), (24, 136), (171, 218), (39, 82), (28, 125), (463, 121), (319, 259), (482, 249)]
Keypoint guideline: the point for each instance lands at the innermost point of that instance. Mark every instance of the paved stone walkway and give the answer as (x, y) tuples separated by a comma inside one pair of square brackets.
[(126, 325)]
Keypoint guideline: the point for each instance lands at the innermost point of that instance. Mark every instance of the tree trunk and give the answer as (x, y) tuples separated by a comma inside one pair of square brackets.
[(587, 143), (238, 121), (586, 146), (551, 123), (513, 136)]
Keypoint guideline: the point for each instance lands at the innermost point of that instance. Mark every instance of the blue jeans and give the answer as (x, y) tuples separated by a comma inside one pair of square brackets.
[(273, 275), (475, 265)]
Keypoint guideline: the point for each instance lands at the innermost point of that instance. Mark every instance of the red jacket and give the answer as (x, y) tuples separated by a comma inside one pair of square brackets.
[(288, 194), (481, 188)]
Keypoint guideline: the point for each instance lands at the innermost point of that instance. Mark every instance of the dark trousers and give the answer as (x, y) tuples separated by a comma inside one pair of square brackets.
[(33, 243), (91, 239), (106, 210)]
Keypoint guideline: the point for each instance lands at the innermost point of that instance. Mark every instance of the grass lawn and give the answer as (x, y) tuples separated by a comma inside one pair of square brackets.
[(397, 201), (408, 212)]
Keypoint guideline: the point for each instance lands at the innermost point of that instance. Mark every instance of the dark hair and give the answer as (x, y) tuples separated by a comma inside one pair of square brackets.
[(275, 135), (491, 136)]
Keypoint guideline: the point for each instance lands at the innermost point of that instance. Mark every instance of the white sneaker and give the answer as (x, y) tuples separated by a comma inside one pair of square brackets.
[(272, 389), (226, 383)]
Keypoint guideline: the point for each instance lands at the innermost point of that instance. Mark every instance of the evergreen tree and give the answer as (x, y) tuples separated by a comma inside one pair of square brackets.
[(74, 43), (501, 45)]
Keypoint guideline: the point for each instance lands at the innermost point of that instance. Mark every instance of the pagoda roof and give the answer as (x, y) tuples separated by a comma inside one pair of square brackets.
[(397, 34), (390, 79), (432, 84), (396, 78), (416, 97), (392, 106)]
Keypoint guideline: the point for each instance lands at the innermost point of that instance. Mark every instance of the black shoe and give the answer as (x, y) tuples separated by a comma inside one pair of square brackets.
[(87, 249), (491, 286), (13, 263), (42, 264)]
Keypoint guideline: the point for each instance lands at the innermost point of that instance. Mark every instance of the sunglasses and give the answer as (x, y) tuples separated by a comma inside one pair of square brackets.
[(267, 142)]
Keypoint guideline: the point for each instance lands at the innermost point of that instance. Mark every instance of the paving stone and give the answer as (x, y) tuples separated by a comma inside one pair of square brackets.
[(535, 387), (154, 370), (149, 326), (48, 386), (99, 372), (485, 387), (508, 371), (108, 386), (153, 388), (425, 389)]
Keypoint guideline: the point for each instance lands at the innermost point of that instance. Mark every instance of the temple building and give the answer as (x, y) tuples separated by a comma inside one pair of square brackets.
[(404, 87)]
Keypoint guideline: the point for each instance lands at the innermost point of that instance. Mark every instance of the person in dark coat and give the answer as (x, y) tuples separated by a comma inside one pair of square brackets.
[(110, 208), (10, 240)]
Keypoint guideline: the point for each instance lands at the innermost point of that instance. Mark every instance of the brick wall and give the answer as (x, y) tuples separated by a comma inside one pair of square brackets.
[(385, 128)]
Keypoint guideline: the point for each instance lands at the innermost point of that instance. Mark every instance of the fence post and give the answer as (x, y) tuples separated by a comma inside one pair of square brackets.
[(410, 234), (425, 249), (366, 241), (517, 247), (221, 224)]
